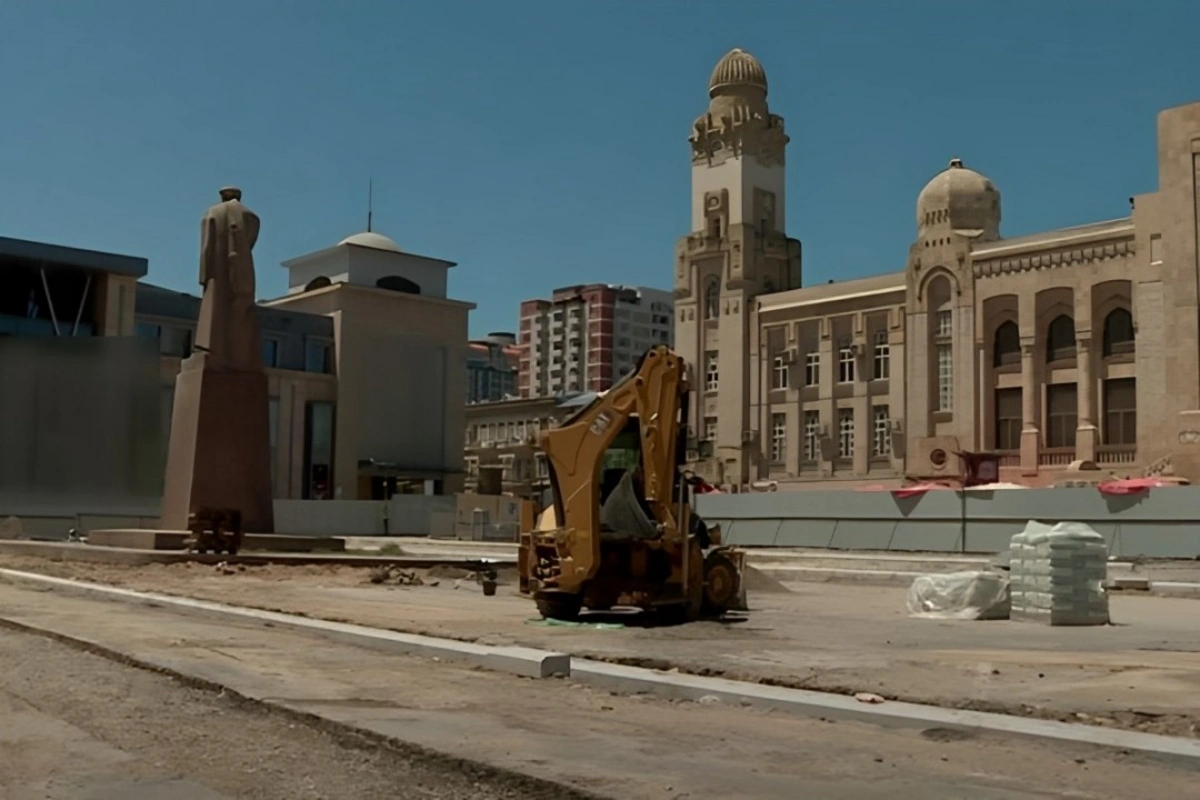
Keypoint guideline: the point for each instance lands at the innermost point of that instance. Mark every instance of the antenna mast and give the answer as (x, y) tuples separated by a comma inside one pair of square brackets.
[(370, 202)]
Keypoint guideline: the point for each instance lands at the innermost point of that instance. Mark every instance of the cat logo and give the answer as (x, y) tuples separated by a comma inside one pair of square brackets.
[(601, 423)]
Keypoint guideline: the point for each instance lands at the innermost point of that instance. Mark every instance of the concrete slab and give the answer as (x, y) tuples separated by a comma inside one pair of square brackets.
[(71, 551), (524, 661), (149, 539)]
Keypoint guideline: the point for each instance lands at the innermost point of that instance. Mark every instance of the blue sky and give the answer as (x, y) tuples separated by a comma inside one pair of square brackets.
[(540, 143)]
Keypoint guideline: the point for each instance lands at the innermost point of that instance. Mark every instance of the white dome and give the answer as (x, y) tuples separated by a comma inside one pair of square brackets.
[(371, 239)]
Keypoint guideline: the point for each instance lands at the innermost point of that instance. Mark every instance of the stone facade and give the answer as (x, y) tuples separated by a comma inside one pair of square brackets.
[(1047, 349)]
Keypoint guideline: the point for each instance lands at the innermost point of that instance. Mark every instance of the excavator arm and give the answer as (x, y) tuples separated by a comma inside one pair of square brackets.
[(575, 452)]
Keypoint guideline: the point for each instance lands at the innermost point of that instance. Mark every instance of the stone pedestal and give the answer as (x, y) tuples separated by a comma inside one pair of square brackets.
[(220, 447)]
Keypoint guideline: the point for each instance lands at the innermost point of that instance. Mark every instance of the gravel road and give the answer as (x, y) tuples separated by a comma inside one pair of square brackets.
[(76, 725)]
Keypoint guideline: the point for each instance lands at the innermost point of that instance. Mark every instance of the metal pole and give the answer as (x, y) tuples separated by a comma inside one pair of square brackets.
[(82, 302), (49, 300)]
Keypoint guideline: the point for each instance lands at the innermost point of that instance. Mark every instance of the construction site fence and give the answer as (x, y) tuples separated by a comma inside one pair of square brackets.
[(1159, 523)]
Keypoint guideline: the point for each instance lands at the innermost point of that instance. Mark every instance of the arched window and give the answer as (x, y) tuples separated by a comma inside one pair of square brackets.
[(396, 283), (1118, 332), (319, 282), (1006, 345), (712, 300), (1060, 338)]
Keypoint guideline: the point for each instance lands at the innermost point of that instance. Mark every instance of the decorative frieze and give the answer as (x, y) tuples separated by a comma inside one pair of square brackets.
[(1057, 258)]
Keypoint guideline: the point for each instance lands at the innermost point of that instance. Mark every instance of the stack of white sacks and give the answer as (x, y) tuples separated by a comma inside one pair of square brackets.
[(1058, 573)]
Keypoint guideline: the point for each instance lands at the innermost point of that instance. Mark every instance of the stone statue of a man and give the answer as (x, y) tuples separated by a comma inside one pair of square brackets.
[(227, 331)]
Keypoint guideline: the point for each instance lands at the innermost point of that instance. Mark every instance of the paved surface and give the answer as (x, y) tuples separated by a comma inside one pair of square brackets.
[(143, 730), (1142, 673)]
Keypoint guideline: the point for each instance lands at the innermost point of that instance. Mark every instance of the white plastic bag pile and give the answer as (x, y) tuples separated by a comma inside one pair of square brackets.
[(959, 595), (1058, 574)]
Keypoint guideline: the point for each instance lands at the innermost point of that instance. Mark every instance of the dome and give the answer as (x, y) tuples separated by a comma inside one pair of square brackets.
[(963, 198), (371, 239), (737, 68)]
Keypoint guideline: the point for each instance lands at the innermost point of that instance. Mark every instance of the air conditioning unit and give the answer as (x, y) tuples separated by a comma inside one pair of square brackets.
[(749, 437), (897, 427), (789, 355)]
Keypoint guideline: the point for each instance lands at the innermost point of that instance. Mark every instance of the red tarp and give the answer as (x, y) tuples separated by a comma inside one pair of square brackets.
[(915, 490), (1131, 486)]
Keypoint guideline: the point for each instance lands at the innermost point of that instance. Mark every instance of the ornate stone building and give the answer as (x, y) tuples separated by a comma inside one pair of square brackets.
[(1077, 344)]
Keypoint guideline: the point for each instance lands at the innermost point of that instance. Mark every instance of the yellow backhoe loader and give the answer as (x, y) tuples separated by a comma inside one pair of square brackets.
[(621, 530)]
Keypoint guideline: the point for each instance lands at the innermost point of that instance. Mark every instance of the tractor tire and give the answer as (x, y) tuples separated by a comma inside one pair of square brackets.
[(560, 606), (722, 584)]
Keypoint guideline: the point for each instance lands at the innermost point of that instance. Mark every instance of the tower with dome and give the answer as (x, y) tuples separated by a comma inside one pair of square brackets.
[(1059, 350)]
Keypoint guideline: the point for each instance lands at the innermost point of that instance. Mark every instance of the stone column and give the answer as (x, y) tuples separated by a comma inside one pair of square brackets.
[(1087, 435), (1030, 433)]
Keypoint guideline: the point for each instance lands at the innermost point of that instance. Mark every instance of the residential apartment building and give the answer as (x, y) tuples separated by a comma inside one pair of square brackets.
[(493, 366), (504, 435), (587, 337), (1070, 346)]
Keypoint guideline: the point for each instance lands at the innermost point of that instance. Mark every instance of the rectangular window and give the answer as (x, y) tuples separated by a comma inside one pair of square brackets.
[(1008, 419), (1062, 409), (846, 363), (845, 433), (945, 377), (945, 323), (147, 330), (781, 369), (1120, 411), (882, 357), (812, 436), (318, 356), (318, 451), (711, 376), (812, 368), (881, 432), (270, 353), (778, 438), (1156, 255), (710, 428), (543, 466), (273, 433)]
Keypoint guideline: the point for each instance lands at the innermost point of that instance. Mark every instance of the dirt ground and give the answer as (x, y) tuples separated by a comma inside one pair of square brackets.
[(633, 747), (1141, 673), (76, 725)]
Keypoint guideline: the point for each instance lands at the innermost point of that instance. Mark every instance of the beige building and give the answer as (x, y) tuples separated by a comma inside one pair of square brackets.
[(1073, 344), (504, 435)]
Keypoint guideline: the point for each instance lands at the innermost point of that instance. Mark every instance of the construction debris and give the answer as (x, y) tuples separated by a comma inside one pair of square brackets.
[(396, 576)]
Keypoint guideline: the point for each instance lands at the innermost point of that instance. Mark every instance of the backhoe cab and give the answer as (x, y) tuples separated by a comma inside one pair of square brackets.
[(622, 530)]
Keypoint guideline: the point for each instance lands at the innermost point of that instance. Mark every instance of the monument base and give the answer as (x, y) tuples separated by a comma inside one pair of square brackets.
[(219, 455)]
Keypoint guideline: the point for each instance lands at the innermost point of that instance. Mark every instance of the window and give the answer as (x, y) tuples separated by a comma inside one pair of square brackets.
[(711, 376), (781, 369), (812, 368), (812, 435), (882, 356), (542, 466), (318, 356), (1006, 345), (147, 330), (845, 433), (506, 461), (1008, 419), (1120, 411), (1156, 255), (1060, 339), (1061, 414), (270, 353), (714, 227), (945, 323), (710, 428), (845, 362), (881, 432), (712, 300), (1118, 332), (778, 438), (945, 377)]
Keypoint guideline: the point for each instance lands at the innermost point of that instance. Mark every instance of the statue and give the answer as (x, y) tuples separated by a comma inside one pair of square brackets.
[(219, 457), (227, 330)]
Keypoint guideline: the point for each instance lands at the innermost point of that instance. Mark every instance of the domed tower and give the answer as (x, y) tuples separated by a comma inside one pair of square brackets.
[(958, 208), (737, 250)]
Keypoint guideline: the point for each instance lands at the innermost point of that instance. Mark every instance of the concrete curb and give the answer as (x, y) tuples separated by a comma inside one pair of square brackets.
[(533, 663), (524, 661), (891, 713)]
